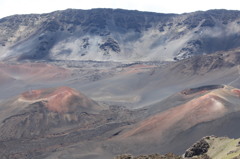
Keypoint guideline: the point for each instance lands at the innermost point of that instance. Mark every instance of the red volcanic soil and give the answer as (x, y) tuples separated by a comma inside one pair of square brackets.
[(60, 100), (236, 91), (202, 109), (34, 71)]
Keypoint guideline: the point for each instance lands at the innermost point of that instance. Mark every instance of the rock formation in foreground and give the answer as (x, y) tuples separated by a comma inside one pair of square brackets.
[(210, 147)]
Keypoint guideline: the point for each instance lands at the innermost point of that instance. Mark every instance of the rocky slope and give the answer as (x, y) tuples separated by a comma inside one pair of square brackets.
[(117, 35), (202, 64), (38, 122), (173, 124), (50, 122), (41, 111)]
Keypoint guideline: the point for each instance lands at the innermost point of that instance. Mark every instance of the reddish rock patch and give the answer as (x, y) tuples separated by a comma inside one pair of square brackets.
[(202, 109), (236, 91), (62, 99)]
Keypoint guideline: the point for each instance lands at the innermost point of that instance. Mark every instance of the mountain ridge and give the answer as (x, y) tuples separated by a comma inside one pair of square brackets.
[(117, 35)]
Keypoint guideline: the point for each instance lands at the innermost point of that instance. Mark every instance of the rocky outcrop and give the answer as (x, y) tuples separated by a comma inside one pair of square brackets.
[(201, 64), (197, 149), (110, 45), (201, 89), (209, 147)]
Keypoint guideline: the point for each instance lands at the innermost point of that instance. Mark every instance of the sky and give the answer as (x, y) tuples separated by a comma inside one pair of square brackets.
[(11, 7)]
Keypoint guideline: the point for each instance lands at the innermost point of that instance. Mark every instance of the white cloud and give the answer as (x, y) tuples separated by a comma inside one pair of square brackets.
[(10, 7)]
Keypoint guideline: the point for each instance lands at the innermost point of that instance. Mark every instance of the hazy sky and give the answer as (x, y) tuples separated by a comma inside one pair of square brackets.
[(10, 7)]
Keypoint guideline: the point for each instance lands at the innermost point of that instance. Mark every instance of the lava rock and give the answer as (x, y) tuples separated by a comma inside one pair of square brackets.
[(199, 148), (110, 44)]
